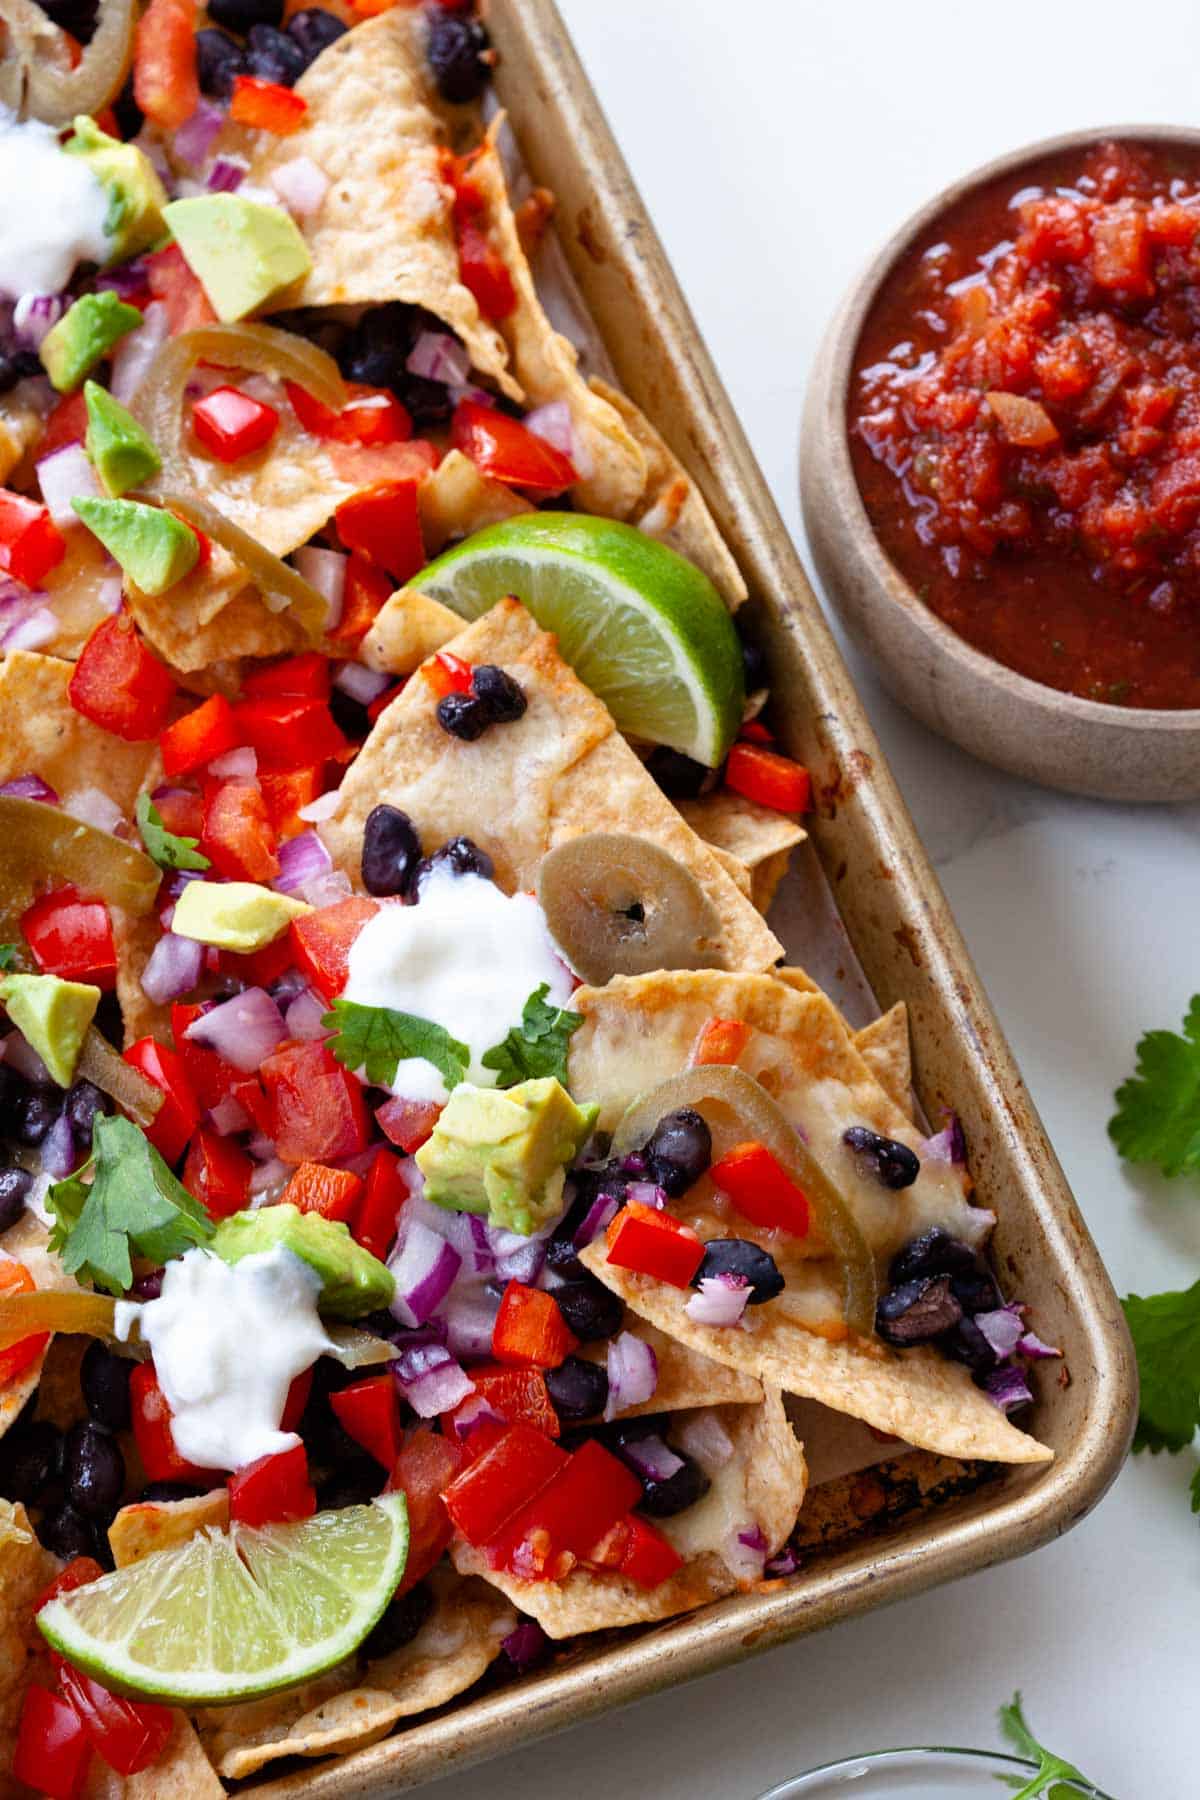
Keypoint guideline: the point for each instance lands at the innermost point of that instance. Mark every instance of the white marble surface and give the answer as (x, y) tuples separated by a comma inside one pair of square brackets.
[(776, 142)]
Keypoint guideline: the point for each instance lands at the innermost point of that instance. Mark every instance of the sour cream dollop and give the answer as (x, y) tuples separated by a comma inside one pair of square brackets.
[(53, 213), (467, 957), (228, 1340)]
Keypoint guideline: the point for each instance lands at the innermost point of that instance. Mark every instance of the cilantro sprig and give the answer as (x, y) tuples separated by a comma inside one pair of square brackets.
[(1166, 1336), (377, 1039), (538, 1046), (1052, 1769), (1158, 1109), (133, 1205), (163, 846)]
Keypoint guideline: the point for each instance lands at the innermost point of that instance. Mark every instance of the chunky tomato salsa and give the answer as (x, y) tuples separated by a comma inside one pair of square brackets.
[(1025, 422)]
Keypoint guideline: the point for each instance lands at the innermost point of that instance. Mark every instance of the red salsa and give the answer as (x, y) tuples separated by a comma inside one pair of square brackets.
[(1025, 422)]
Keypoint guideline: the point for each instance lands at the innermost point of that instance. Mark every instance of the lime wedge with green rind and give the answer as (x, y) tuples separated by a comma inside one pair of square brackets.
[(642, 626), (231, 1614)]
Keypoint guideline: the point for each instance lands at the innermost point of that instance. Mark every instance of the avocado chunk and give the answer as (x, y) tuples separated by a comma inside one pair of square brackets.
[(242, 251), (154, 548), (72, 348), (135, 194), (54, 1015), (121, 453), (234, 915), (505, 1152), (353, 1282)]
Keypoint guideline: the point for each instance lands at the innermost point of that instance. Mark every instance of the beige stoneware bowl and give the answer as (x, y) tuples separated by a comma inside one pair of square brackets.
[(1057, 739)]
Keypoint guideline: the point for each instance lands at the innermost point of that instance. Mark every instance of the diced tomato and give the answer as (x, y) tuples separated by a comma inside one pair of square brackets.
[(231, 424), (72, 938), (207, 731), (210, 1077), (424, 1469), (66, 424), (363, 596), (408, 1123), (375, 1224), (578, 1508), (152, 1433), (164, 63), (382, 523), (485, 273), (181, 811), (316, 1188), (119, 685), (369, 1411), (504, 448), (179, 1115), (530, 1331), (647, 1559), (302, 677), (321, 941), (288, 732), (217, 1173), (768, 778), (317, 1108), (266, 105), (259, 968), (359, 465), (128, 1734), (370, 416), (285, 791), (721, 1041), (16, 1279), (653, 1243), (493, 1489), (448, 674), (520, 1396), (172, 283), (754, 731), (238, 837), (761, 1189), (30, 542), (52, 1749), (297, 1400), (273, 1489)]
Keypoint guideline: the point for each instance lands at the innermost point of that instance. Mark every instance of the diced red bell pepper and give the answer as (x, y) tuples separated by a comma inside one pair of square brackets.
[(207, 731), (761, 1189), (297, 1400), (181, 811), (119, 685), (238, 837), (770, 779), (152, 1433), (303, 677), (382, 701), (78, 1573), (448, 674), (231, 425), (493, 1489), (408, 1123), (653, 1243), (484, 272), (721, 1041), (273, 1489), (648, 1558), (217, 1173), (423, 1471), (128, 1734), (370, 416), (173, 284), (753, 731), (530, 1331), (179, 1115), (321, 941), (318, 1113), (52, 1749), (582, 1503), (288, 732), (30, 542), (72, 938), (382, 523), (375, 1223), (259, 968), (369, 1411), (266, 105), (210, 1077), (164, 63), (504, 448), (285, 791), (67, 423), (363, 596), (333, 1193), (520, 1396), (16, 1279)]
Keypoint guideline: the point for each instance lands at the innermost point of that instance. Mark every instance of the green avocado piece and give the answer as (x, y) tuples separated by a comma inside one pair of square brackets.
[(72, 348), (136, 196), (505, 1152), (54, 1015), (353, 1282), (121, 453), (154, 548), (242, 251), (234, 915)]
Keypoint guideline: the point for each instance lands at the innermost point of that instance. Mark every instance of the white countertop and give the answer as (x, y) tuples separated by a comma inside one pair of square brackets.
[(776, 142)]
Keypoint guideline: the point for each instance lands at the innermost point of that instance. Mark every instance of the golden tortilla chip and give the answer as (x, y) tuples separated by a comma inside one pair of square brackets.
[(762, 840), (212, 616), (135, 940), (884, 1047), (762, 1484), (347, 1710), (684, 1379), (150, 1525), (40, 731), (28, 1241), (21, 422), (408, 628), (79, 592), (457, 499), (671, 507), (15, 1393), (182, 1772), (736, 870), (559, 771), (25, 1569)]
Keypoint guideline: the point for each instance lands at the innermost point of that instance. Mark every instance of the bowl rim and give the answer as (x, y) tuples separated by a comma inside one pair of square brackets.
[(838, 359), (920, 1755)]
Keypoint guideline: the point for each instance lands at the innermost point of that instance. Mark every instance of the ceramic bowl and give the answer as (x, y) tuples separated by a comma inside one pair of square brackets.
[(1057, 739), (919, 1774)]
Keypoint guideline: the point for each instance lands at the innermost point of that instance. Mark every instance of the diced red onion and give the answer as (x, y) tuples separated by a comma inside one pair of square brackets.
[(303, 1017), (261, 1147), (301, 184), (786, 1563), (518, 1258), (432, 1332), (948, 1146), (109, 594), (474, 1413), (652, 1458), (30, 787), (270, 1175), (228, 1116), (470, 1315), (59, 1155), (31, 632), (326, 571), (226, 175), (1032, 1346), (466, 1232), (126, 280), (93, 807), (362, 684), (243, 1031), (20, 1055), (598, 1218), (173, 969), (147, 1286), (647, 1193), (63, 476), (439, 357), (136, 351), (431, 1381), (326, 889), (742, 1556), (424, 1266), (240, 764), (194, 138), (323, 807), (34, 315), (706, 1440), (526, 1646), (302, 858), (719, 1300), (1002, 1329), (1008, 1387), (632, 1373), (554, 425), (633, 1164)]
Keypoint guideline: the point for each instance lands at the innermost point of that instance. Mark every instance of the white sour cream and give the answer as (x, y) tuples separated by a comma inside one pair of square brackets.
[(52, 212), (467, 957), (228, 1340)]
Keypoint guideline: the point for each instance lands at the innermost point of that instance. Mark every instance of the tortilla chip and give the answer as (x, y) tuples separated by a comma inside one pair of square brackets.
[(884, 1047), (150, 1525), (40, 731), (182, 1772), (736, 870), (684, 1379), (384, 230), (212, 616), (556, 773), (15, 1395), (346, 1710), (28, 1242), (135, 940), (408, 628), (671, 507), (457, 500), (762, 840), (78, 592), (25, 1569), (762, 1484), (21, 422)]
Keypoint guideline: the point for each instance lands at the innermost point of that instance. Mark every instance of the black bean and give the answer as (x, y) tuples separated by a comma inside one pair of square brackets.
[(917, 1311), (678, 1151), (578, 1389), (104, 1378), (129, 115), (967, 1344), (30, 1456), (504, 696), (16, 365), (457, 44), (426, 402), (754, 666), (76, 16), (350, 1487), (976, 1291), (67, 1533), (14, 1185), (219, 62), (240, 15), (376, 351), (894, 1164), (663, 1499), (95, 1470), (935, 1252), (738, 1256), (349, 714), (161, 1492), (314, 30), (271, 55), (109, 1020), (463, 716), (462, 856), (676, 774), (36, 1114), (400, 1623), (84, 1102), (591, 1310), (391, 851)]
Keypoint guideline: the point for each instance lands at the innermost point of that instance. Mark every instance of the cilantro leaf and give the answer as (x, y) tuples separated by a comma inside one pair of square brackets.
[(8, 956), (1158, 1109), (1051, 1768), (538, 1046), (134, 1203), (376, 1038), (1166, 1336), (162, 846)]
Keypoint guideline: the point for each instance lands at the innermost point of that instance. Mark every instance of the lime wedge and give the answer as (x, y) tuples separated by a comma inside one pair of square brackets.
[(235, 1613), (638, 623)]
